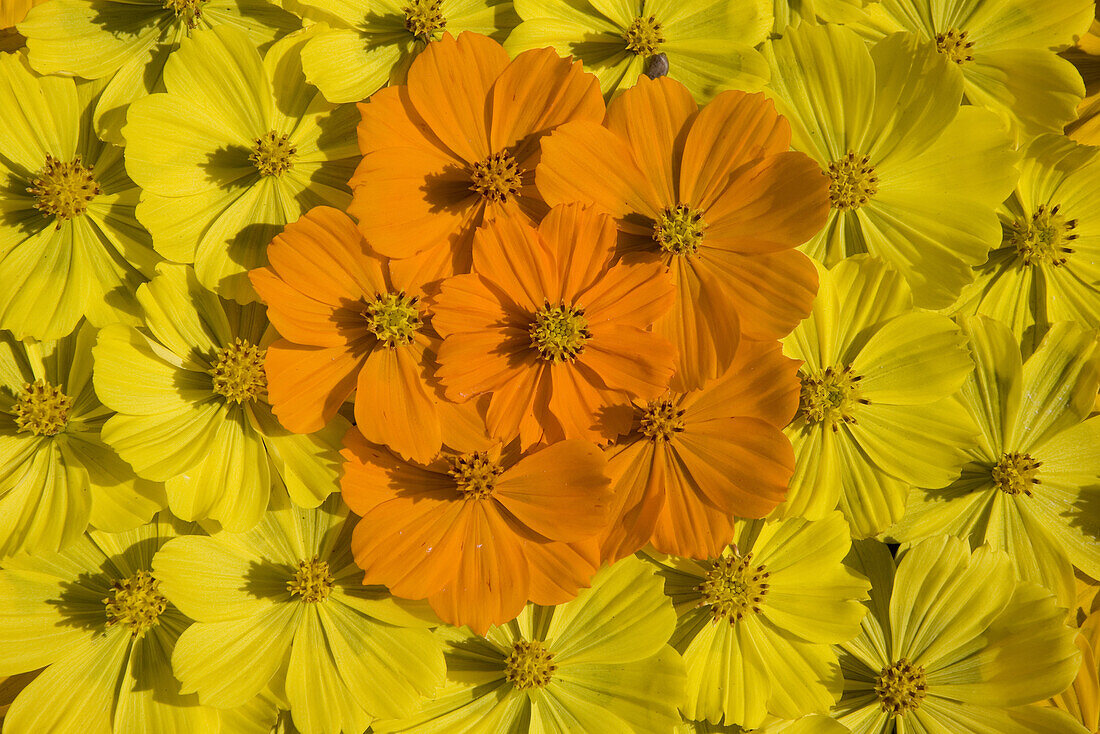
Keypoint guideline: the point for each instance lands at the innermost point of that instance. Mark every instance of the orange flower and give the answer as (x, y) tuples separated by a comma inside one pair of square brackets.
[(713, 194), (456, 146), (478, 534), (555, 333), (348, 324), (692, 461)]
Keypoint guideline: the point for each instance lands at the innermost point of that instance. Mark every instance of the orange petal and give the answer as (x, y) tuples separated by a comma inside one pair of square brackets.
[(464, 427), (761, 383), (307, 385), (393, 406), (304, 319), (582, 407), (630, 294), (391, 121), (519, 407), (514, 258), (637, 485), (422, 272), (771, 292), (472, 363), (582, 240), (374, 475), (469, 303), (560, 570), (688, 525), (639, 363)]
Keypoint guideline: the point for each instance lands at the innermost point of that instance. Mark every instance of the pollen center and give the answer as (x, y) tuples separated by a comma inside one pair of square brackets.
[(529, 665), (1043, 239), (901, 687), (189, 10), (136, 602), (476, 475), (312, 581), (393, 318), (852, 182), (661, 420), (496, 178), (239, 371), (272, 154), (679, 230), (734, 588), (42, 409), (424, 19), (644, 36), (830, 396), (559, 333), (953, 45), (64, 190), (1015, 473)]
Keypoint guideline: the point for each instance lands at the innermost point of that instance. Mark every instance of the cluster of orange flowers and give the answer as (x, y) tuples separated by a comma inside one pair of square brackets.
[(559, 320)]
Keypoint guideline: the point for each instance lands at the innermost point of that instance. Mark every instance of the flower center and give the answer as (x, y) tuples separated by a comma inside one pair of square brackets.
[(660, 420), (136, 602), (529, 665), (424, 19), (312, 581), (1015, 473), (190, 10), (239, 371), (830, 396), (42, 409), (733, 588), (476, 475), (953, 44), (901, 687), (852, 182), (496, 178), (679, 230), (559, 333), (64, 190), (643, 37), (272, 153), (393, 318), (1042, 239)]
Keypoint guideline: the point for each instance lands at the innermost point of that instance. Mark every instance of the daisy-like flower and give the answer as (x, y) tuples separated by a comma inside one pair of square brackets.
[(552, 330), (757, 622), (236, 148), (1032, 481), (372, 42), (694, 460), (457, 146), (715, 196), (286, 597), (127, 42), (599, 663), (1003, 51), (874, 414), (914, 179), (95, 617), (191, 398), (1048, 266), (56, 474), (349, 323), (69, 243), (952, 640), (482, 529), (706, 44)]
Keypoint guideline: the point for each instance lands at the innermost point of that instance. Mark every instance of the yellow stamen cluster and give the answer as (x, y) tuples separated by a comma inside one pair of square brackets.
[(393, 318), (189, 10), (661, 420), (559, 333), (852, 181), (1015, 473), (136, 602), (64, 190), (901, 687), (312, 581), (424, 19), (272, 153), (953, 45), (529, 665), (644, 36), (476, 475), (679, 230), (830, 396), (734, 588), (42, 409), (239, 371), (1042, 239), (496, 178)]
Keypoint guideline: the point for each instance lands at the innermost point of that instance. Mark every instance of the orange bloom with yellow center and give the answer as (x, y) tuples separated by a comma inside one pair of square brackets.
[(348, 324), (692, 461), (456, 146), (478, 533), (557, 335), (716, 195)]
